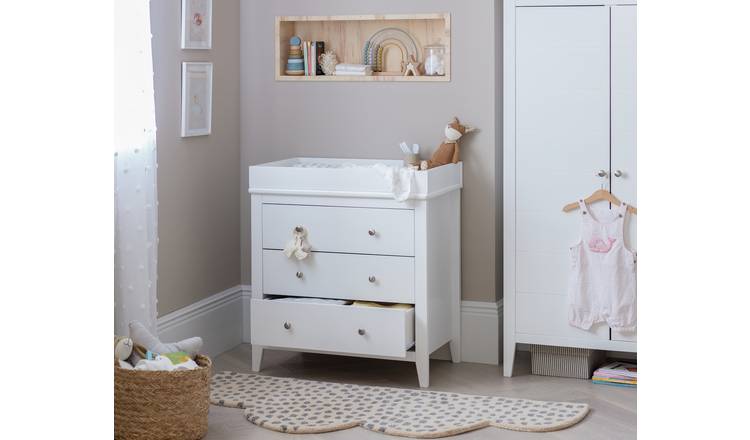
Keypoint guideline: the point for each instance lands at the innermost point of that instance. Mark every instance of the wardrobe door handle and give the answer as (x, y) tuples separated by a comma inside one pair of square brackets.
[(602, 173), (371, 279), (287, 325), (372, 232), (617, 173), (361, 332), (299, 274)]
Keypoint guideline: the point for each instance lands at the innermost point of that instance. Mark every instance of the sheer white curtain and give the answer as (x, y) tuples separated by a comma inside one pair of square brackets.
[(135, 168)]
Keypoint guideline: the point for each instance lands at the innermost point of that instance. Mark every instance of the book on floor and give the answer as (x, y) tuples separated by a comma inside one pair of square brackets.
[(617, 373)]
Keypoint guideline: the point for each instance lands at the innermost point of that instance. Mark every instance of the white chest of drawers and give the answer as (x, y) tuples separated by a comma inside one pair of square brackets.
[(365, 246)]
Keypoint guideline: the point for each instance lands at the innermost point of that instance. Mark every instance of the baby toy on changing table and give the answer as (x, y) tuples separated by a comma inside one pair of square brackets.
[(448, 151), (411, 155)]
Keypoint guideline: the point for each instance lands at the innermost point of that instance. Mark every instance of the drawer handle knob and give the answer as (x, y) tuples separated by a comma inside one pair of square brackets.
[(361, 332), (299, 274), (299, 229), (371, 279), (287, 325), (371, 232)]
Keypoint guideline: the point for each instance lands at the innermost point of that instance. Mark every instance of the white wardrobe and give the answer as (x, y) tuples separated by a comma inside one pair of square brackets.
[(569, 127)]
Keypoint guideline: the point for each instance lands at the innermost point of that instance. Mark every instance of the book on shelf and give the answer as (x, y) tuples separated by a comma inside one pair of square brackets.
[(305, 57), (308, 49), (313, 63), (310, 52), (320, 48)]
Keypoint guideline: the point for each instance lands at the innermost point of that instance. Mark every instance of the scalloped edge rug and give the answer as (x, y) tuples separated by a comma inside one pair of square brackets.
[(307, 407)]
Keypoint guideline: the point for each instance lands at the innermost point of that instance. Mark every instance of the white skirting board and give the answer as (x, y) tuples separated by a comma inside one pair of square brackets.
[(217, 319), (223, 321)]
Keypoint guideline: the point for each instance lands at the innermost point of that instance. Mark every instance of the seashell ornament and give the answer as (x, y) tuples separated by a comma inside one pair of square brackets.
[(328, 62)]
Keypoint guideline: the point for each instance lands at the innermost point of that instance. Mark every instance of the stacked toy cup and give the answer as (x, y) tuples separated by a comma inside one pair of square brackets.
[(295, 64)]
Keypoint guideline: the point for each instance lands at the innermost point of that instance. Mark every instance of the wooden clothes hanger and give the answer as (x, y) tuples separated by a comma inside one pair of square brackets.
[(597, 196)]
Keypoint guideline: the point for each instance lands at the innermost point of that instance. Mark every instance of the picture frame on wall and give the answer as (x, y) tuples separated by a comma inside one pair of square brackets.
[(197, 96), (197, 17)]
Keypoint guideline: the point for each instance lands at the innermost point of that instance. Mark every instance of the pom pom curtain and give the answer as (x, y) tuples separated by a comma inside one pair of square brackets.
[(135, 168)]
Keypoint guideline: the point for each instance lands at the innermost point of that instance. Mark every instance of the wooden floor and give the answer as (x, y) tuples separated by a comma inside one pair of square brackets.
[(612, 416)]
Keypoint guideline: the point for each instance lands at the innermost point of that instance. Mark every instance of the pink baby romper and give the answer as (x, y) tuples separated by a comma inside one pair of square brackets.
[(602, 286)]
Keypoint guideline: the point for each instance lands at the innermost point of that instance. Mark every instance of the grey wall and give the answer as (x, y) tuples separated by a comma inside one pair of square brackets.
[(368, 120), (198, 177)]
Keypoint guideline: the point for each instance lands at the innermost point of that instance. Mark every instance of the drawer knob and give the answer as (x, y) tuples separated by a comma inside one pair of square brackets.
[(287, 325), (361, 332), (371, 232), (299, 229), (371, 279), (299, 274)]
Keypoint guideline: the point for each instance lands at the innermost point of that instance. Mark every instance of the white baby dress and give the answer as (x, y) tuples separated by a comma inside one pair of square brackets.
[(602, 286)]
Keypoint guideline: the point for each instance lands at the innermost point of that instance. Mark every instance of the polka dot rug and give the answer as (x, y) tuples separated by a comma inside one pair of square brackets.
[(305, 406)]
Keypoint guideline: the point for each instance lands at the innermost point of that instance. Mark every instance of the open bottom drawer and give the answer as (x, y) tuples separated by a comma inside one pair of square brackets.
[(335, 328)]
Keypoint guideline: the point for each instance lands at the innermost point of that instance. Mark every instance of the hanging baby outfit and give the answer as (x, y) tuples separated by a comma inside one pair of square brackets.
[(602, 280)]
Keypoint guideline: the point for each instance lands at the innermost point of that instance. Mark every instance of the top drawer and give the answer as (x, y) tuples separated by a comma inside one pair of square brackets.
[(341, 229)]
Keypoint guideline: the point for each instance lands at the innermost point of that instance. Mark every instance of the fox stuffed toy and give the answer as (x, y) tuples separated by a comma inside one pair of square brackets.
[(448, 151)]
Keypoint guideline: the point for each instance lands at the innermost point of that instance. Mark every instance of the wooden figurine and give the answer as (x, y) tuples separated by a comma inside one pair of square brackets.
[(448, 151), (412, 67)]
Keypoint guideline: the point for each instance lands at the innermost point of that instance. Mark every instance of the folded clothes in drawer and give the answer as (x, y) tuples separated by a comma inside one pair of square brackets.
[(382, 305), (340, 302)]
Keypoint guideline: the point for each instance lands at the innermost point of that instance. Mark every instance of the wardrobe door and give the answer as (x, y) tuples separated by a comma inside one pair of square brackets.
[(562, 140), (624, 120)]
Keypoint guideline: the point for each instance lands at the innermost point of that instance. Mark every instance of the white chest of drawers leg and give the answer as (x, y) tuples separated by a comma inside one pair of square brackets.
[(365, 246)]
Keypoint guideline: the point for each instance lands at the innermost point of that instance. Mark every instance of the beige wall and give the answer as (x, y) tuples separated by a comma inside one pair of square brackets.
[(498, 18), (198, 178), (368, 120)]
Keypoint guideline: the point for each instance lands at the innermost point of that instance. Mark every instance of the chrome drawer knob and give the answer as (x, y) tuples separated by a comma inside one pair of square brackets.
[(371, 279), (617, 173), (299, 274), (299, 229), (361, 332), (601, 173), (371, 232), (287, 325)]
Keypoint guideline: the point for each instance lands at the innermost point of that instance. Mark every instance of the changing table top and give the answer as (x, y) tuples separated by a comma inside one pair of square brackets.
[(347, 178)]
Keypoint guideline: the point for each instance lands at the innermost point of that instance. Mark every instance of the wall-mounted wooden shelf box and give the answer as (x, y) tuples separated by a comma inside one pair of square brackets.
[(347, 34)]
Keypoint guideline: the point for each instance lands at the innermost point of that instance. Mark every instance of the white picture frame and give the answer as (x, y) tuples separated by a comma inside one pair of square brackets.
[(197, 27), (197, 97)]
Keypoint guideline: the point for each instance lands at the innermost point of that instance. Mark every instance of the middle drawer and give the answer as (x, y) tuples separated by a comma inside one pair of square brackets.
[(341, 229), (343, 276)]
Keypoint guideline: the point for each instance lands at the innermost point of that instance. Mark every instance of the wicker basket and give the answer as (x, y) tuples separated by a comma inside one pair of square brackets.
[(161, 405), (572, 362)]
